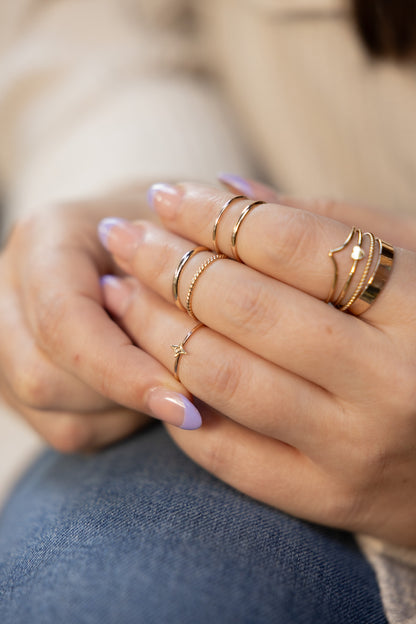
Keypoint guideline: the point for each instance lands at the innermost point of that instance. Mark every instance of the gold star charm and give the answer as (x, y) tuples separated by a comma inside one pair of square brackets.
[(178, 350)]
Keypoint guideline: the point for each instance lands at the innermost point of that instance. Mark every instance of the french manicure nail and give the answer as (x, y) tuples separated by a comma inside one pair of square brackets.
[(164, 199), (120, 237), (117, 294), (105, 226), (173, 408), (237, 182)]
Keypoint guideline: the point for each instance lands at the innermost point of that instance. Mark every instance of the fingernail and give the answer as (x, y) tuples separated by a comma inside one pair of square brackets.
[(236, 182), (117, 294), (250, 188), (173, 408), (164, 199), (120, 237)]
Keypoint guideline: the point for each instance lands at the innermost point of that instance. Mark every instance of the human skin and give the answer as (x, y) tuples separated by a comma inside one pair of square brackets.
[(320, 404), (65, 366)]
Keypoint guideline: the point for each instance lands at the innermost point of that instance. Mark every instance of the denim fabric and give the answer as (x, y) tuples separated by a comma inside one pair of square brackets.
[(140, 534)]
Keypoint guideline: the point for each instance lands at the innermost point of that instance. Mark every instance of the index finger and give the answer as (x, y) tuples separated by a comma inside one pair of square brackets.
[(65, 311), (318, 255)]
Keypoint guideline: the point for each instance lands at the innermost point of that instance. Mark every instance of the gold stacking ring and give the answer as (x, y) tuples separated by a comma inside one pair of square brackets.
[(378, 279), (364, 275), (179, 349), (195, 278), (380, 255), (237, 226), (178, 271), (219, 217), (331, 254)]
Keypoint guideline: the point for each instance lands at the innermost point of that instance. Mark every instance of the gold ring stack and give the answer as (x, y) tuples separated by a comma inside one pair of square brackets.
[(379, 257)]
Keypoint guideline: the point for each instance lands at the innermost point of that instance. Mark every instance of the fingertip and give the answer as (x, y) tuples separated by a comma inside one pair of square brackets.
[(117, 293)]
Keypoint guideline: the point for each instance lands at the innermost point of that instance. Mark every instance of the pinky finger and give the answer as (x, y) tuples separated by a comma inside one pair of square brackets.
[(265, 469)]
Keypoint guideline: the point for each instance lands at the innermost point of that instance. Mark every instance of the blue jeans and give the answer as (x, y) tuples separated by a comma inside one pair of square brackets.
[(139, 534)]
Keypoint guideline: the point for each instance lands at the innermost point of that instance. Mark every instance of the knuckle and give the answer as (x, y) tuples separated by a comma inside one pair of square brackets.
[(225, 378), (250, 304), (32, 384), (289, 242), (50, 314), (69, 435)]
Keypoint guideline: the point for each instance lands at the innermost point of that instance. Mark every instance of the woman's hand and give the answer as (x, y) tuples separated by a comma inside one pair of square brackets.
[(64, 364), (320, 405)]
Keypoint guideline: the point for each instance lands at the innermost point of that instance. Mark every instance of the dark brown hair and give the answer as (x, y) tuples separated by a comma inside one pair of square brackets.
[(387, 27)]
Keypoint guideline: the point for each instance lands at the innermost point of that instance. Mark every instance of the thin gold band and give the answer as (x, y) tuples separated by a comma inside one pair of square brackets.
[(179, 348), (331, 254), (237, 226), (219, 217), (195, 278), (181, 264), (359, 255), (364, 275)]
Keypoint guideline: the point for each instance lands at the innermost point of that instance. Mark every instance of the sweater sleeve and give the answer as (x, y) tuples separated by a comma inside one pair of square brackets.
[(95, 94)]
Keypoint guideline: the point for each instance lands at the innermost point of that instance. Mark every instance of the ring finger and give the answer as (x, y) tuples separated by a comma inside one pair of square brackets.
[(254, 310), (220, 372)]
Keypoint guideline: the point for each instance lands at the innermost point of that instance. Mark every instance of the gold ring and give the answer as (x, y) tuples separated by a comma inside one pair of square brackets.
[(357, 254), (377, 280), (195, 278), (178, 271), (179, 350), (236, 228), (359, 287), (219, 217), (331, 253)]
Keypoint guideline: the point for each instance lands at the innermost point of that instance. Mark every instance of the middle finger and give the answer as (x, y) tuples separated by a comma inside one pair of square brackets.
[(270, 318)]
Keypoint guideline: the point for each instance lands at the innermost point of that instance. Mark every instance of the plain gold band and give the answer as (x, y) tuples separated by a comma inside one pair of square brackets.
[(237, 226), (219, 217), (179, 349), (181, 264), (196, 277)]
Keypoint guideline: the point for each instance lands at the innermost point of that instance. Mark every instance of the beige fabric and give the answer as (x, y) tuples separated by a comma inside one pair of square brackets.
[(96, 93)]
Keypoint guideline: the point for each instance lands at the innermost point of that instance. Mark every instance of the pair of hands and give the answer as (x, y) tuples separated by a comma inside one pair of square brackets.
[(320, 405)]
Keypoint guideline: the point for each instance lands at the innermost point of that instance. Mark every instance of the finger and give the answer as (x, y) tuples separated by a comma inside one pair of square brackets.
[(400, 230), (269, 471), (221, 372), (70, 324), (277, 322), (33, 379), (286, 243), (71, 432)]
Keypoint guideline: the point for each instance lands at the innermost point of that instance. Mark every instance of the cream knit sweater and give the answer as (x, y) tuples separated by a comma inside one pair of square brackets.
[(95, 94)]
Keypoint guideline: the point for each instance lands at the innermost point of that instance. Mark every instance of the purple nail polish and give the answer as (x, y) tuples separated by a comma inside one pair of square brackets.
[(236, 182), (105, 226), (192, 418), (173, 408), (164, 199)]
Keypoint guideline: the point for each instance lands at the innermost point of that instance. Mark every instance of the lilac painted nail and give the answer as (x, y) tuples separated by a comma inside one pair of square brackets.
[(173, 408), (105, 226), (237, 182), (164, 199)]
